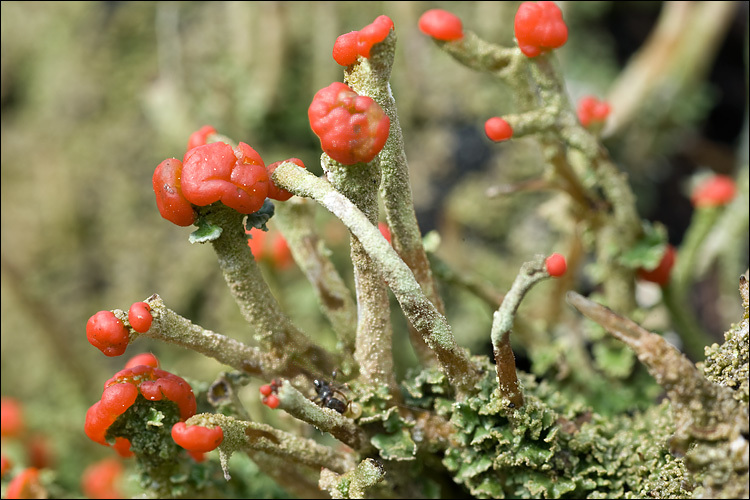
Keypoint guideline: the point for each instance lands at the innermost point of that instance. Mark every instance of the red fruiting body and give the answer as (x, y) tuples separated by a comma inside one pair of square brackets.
[(122, 447), (556, 265), (373, 33), (121, 391), (155, 383), (716, 191), (26, 485), (282, 255), (99, 480), (441, 25), (198, 456), (539, 28), (660, 275), (200, 137), (171, 203), (498, 129), (39, 451), (592, 110), (11, 413), (276, 193), (345, 48), (118, 397), (272, 401), (145, 358), (197, 438), (97, 423), (385, 231), (215, 172), (257, 243), (269, 392), (352, 128), (5, 465), (107, 333), (270, 246), (349, 45), (139, 317)]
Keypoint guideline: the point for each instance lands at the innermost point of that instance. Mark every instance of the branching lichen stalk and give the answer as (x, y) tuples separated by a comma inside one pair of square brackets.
[(252, 436), (419, 310), (373, 350), (371, 77), (168, 326), (530, 274), (273, 328)]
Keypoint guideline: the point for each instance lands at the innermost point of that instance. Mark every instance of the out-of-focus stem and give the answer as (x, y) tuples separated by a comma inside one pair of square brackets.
[(676, 55), (273, 328), (676, 293), (694, 339), (370, 77), (683, 272), (295, 219), (484, 291), (419, 310), (617, 228), (290, 476), (531, 273), (621, 230)]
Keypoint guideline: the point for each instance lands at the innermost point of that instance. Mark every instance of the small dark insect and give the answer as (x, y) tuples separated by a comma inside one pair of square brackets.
[(327, 396), (330, 396)]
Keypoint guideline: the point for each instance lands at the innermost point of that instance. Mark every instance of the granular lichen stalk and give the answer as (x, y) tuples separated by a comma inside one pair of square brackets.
[(422, 313)]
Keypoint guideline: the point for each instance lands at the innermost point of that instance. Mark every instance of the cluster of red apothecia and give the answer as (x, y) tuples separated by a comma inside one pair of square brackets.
[(211, 172), (539, 28), (352, 128), (592, 112), (108, 333), (122, 390), (142, 377), (350, 45), (269, 394)]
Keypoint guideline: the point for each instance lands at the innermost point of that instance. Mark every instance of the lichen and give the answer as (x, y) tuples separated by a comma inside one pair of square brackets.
[(727, 364), (551, 447), (692, 445)]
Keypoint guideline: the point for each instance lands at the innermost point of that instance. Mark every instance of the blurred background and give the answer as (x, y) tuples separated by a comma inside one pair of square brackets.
[(94, 95)]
